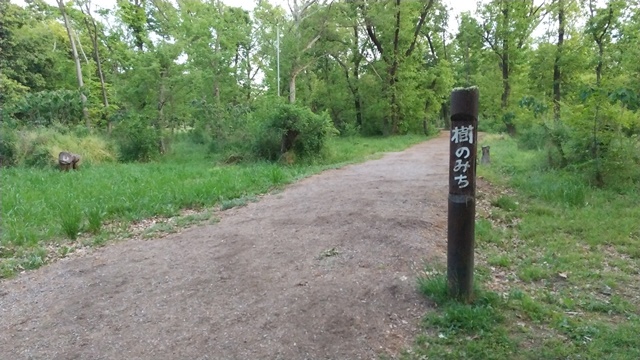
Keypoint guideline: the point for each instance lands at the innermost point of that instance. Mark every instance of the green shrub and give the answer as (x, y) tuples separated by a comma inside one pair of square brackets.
[(8, 141), (137, 141), (293, 128), (533, 138), (45, 107), (39, 156), (491, 125)]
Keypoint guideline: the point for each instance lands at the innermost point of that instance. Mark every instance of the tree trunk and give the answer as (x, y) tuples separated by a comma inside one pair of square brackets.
[(84, 55), (393, 61), (248, 81), (504, 65), (96, 57), (292, 88), (162, 99), (393, 75), (506, 86), (216, 72), (356, 78), (76, 59), (556, 65)]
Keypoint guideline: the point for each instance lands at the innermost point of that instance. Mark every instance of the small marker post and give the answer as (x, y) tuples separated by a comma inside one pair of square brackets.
[(462, 192)]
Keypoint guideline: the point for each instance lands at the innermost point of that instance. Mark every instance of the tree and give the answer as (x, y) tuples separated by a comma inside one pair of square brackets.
[(308, 24), (394, 44), (600, 27), (76, 59), (92, 28), (507, 26), (557, 77)]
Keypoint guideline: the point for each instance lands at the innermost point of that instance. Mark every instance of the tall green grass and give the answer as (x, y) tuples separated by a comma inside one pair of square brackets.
[(40, 206)]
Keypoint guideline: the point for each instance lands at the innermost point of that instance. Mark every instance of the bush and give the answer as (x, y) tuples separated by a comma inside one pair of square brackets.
[(137, 141), (45, 107), (533, 138), (39, 156), (293, 128), (8, 142), (491, 125), (621, 163), (40, 147)]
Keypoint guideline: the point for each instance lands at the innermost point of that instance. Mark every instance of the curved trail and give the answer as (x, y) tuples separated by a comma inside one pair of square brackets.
[(325, 269)]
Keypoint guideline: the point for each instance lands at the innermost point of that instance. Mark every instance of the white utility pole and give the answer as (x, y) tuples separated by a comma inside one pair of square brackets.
[(278, 56)]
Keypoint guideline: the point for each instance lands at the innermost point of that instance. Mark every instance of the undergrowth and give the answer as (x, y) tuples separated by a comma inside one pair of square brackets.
[(557, 268)]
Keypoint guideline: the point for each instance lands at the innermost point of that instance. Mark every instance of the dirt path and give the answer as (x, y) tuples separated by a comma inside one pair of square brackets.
[(325, 269)]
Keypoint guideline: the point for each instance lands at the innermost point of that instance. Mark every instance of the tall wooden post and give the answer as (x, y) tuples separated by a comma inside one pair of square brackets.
[(462, 192)]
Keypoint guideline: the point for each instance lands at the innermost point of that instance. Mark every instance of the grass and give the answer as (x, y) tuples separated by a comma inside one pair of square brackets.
[(45, 207), (560, 259)]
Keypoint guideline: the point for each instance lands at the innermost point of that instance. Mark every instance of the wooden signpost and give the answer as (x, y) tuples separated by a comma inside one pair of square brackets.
[(462, 192)]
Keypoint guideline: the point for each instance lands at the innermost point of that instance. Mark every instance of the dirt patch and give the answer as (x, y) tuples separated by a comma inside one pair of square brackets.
[(325, 269)]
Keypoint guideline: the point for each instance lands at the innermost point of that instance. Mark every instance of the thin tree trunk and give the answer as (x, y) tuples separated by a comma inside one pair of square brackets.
[(84, 56), (292, 88), (216, 71), (444, 45), (76, 59), (506, 86), (356, 77), (248, 81), (162, 99), (96, 57), (556, 65), (504, 65), (393, 76), (599, 40)]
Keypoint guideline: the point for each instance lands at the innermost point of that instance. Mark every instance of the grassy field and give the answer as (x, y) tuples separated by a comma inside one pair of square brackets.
[(47, 213), (557, 270)]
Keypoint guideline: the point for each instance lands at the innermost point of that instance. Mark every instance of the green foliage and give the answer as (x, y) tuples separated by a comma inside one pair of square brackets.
[(535, 137), (480, 316), (505, 203), (95, 217), (137, 141), (293, 128), (8, 142), (469, 331), (46, 107), (40, 147), (70, 220), (485, 232), (564, 275), (434, 287)]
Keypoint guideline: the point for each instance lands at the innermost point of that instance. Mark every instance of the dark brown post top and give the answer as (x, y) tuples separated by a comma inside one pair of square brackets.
[(464, 103)]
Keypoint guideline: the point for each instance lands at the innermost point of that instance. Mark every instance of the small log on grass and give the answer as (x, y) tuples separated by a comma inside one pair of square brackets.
[(67, 160)]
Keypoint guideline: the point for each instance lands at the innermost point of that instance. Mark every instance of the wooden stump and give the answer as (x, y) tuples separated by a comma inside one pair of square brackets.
[(486, 157), (67, 160)]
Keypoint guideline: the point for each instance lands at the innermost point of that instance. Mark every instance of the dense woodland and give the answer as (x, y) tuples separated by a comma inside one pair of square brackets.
[(562, 76)]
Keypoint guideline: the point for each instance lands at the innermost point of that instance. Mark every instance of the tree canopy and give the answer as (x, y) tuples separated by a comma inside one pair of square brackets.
[(567, 69)]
